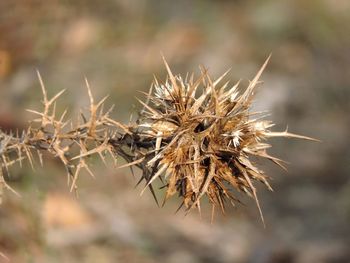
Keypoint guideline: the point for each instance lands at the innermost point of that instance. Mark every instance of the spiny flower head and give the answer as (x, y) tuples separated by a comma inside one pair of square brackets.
[(205, 136)]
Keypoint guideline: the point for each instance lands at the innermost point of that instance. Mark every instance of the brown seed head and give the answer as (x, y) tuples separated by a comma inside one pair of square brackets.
[(204, 137)]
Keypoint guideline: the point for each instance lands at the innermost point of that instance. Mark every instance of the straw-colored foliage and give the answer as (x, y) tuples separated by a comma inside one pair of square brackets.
[(196, 135)]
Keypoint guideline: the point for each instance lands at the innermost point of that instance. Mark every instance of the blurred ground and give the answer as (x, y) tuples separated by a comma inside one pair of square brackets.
[(117, 45)]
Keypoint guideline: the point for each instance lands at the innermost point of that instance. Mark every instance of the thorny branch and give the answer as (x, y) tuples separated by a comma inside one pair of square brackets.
[(197, 136)]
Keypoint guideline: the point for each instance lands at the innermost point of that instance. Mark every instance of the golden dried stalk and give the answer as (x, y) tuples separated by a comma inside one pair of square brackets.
[(197, 136)]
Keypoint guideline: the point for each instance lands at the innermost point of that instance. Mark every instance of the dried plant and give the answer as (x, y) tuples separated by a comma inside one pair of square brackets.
[(196, 135)]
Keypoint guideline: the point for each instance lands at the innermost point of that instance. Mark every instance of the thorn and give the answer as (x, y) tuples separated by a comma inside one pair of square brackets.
[(42, 86)]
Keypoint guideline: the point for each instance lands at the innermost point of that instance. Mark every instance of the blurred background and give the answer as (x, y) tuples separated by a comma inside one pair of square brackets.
[(117, 45)]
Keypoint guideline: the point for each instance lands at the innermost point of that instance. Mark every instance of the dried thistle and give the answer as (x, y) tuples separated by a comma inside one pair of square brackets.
[(204, 136), (197, 136)]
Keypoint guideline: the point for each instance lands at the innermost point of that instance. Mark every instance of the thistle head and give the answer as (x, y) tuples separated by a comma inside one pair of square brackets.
[(204, 136)]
